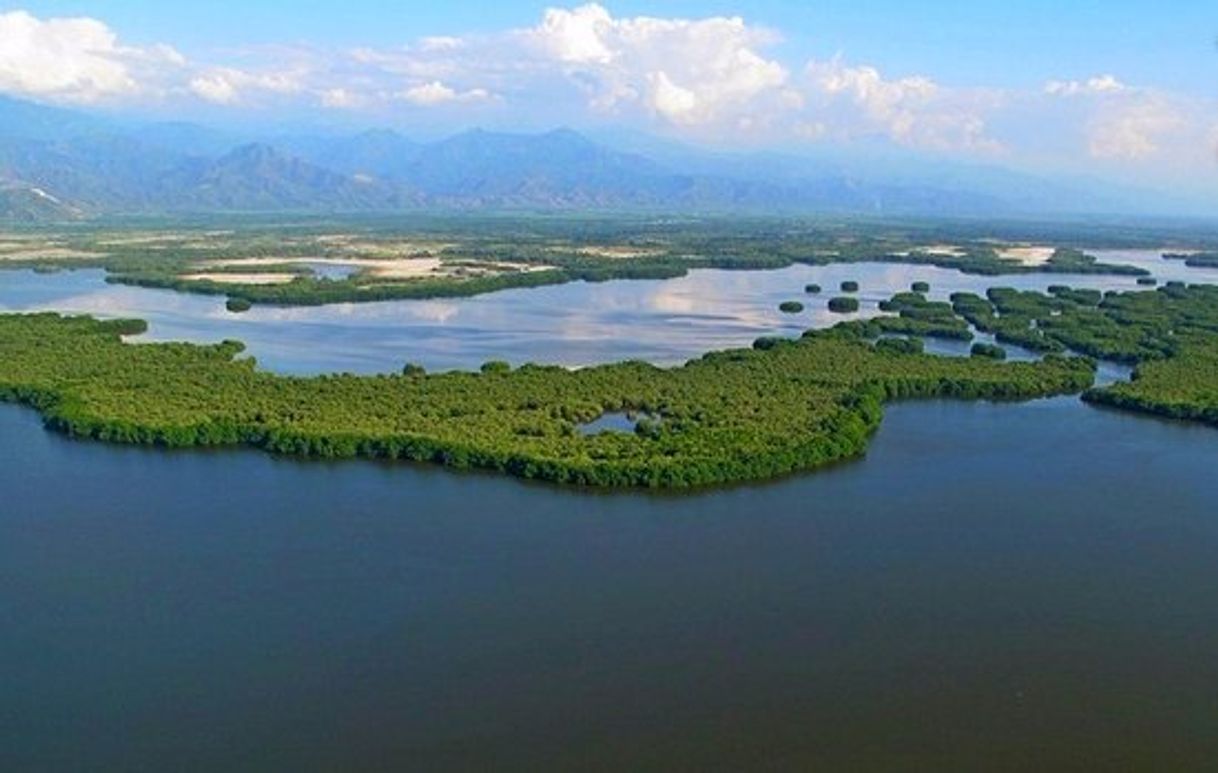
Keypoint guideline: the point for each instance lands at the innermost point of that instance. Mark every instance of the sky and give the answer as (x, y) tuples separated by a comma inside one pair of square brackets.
[(1122, 90)]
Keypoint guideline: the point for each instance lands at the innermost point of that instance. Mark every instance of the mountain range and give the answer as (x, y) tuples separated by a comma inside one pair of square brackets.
[(57, 163)]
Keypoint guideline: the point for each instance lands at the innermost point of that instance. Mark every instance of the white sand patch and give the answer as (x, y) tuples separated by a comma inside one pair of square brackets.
[(241, 279), (383, 250), (1029, 255), (133, 241), (254, 262), (613, 252), (23, 240), (949, 250), (943, 250), (50, 253), (401, 268)]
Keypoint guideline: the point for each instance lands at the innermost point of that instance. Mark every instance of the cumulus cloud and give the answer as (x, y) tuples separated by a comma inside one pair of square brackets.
[(72, 59), (912, 111), (715, 78), (1134, 130), (1122, 122), (1100, 84), (214, 88), (229, 85), (340, 99), (690, 72), (710, 77), (437, 93), (577, 36)]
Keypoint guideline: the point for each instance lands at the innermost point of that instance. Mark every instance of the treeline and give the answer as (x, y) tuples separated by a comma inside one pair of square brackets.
[(729, 416), (555, 249)]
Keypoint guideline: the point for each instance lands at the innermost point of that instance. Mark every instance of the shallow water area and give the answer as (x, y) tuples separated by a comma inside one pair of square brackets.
[(665, 322)]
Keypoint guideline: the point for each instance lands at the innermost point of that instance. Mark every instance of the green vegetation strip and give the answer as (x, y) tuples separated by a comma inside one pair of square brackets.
[(484, 255), (1169, 334), (780, 407), (729, 416)]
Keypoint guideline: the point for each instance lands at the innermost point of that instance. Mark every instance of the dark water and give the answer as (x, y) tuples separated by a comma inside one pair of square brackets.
[(615, 421), (994, 587)]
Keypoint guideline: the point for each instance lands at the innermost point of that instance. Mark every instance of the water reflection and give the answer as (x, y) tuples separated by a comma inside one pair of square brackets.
[(665, 322)]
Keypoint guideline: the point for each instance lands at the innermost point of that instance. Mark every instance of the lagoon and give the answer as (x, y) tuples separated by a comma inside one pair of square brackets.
[(662, 321)]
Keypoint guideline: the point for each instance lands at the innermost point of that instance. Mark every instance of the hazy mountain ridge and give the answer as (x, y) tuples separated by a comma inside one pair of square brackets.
[(26, 203), (100, 166)]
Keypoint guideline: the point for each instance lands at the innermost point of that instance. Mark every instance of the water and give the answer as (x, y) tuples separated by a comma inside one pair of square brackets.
[(993, 587), (615, 421), (665, 322), (331, 270)]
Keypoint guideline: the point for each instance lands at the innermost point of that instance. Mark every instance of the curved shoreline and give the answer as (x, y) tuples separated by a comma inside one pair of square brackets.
[(729, 417), (726, 417)]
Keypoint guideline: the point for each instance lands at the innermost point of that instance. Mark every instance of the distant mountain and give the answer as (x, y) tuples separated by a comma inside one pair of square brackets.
[(27, 120), (24, 203), (88, 164), (257, 177), (98, 171), (559, 168), (380, 154), (186, 139)]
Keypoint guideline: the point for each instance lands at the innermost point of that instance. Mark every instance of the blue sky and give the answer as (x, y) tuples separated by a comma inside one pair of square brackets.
[(1128, 90), (983, 41)]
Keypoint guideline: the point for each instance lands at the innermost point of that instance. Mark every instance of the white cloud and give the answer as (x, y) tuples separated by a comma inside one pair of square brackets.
[(229, 85), (1134, 130), (440, 43), (669, 99), (437, 93), (716, 78), (578, 36), (914, 111), (708, 77), (1122, 122), (689, 72), (340, 99), (214, 88), (1100, 84), (71, 59)]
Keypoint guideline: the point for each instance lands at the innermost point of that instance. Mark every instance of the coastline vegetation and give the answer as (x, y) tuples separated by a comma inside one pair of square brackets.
[(738, 415), (991, 351), (843, 305), (483, 254), (728, 416), (1194, 259)]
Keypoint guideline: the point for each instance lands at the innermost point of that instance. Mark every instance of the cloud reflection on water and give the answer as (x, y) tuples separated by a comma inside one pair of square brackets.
[(663, 321)]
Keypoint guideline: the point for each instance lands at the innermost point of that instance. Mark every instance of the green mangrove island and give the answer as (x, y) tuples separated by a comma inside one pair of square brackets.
[(354, 260), (780, 407), (729, 416)]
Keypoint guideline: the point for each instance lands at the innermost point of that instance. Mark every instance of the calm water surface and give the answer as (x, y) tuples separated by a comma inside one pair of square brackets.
[(665, 322), (994, 587)]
